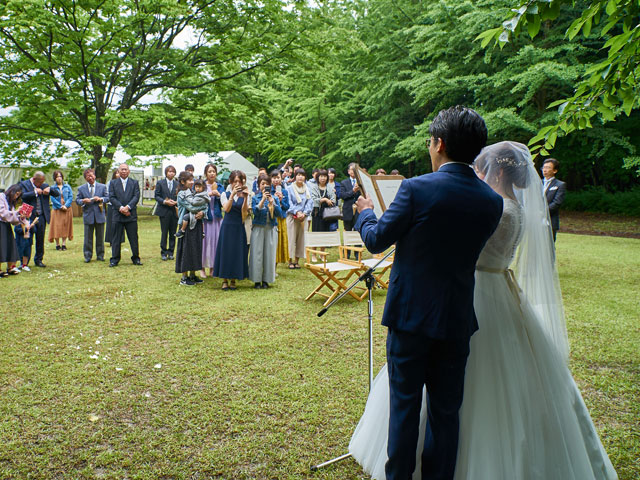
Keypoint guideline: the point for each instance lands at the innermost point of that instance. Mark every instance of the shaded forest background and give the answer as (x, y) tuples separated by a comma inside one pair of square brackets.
[(333, 83)]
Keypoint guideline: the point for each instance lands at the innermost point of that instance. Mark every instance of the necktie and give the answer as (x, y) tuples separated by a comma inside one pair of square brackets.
[(91, 190)]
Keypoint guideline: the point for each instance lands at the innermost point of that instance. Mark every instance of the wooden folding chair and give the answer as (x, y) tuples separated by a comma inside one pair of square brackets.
[(333, 276), (351, 240)]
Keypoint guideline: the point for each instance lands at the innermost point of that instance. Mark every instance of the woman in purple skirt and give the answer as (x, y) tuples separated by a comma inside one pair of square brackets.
[(213, 221)]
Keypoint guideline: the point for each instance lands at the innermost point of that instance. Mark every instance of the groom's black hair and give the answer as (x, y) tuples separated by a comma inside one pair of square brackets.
[(463, 132)]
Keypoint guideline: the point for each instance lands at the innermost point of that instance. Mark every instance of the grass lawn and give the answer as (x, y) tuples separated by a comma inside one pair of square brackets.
[(121, 373)]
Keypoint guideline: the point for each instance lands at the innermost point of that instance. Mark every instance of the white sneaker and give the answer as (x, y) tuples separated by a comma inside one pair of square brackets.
[(25, 268)]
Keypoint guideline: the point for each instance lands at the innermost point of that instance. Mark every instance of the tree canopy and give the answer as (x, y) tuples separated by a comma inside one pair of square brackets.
[(86, 70), (610, 86)]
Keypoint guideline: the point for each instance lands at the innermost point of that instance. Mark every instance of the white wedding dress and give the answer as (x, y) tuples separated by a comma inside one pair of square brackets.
[(522, 417)]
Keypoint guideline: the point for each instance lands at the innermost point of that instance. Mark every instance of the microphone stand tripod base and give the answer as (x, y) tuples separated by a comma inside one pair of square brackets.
[(370, 282)]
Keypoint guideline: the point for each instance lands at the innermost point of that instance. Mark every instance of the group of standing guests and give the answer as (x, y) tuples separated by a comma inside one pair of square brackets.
[(16, 251), (213, 240), (210, 236)]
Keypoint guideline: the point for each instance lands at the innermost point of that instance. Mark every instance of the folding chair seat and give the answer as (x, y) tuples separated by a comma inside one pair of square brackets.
[(353, 239)]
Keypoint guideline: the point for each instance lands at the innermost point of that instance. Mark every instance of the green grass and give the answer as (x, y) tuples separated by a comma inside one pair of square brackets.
[(251, 384)]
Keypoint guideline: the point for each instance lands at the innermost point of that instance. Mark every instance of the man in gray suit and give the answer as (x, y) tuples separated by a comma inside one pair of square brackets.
[(554, 191), (92, 197)]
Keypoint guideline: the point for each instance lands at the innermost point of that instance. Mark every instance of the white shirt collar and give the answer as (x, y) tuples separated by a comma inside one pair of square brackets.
[(452, 162), (124, 181)]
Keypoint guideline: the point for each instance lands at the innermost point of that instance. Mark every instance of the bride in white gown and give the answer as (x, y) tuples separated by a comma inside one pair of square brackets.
[(522, 417)]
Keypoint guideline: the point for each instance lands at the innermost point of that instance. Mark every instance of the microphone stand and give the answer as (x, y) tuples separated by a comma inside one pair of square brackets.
[(370, 281)]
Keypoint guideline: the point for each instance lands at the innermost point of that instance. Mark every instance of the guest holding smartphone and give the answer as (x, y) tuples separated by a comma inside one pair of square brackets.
[(282, 249), (264, 237), (232, 252)]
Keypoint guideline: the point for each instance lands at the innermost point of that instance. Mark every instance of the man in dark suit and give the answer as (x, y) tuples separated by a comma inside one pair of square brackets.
[(439, 222), (92, 197), (124, 194), (349, 192), (554, 191), (166, 201), (36, 193)]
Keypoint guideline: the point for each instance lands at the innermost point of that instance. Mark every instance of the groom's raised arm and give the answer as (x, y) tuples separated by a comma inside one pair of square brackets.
[(380, 234)]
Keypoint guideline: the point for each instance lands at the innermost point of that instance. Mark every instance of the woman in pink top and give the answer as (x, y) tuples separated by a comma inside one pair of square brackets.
[(8, 217)]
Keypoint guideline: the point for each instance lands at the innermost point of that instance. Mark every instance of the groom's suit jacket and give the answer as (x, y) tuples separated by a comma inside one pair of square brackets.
[(439, 222), (119, 198)]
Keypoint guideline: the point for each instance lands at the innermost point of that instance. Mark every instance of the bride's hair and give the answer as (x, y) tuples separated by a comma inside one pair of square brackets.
[(506, 163)]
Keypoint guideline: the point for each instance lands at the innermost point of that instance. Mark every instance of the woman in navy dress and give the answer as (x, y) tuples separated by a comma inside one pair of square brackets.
[(232, 262)]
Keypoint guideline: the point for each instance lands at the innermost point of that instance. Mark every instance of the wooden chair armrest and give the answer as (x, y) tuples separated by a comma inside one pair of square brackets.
[(310, 251)]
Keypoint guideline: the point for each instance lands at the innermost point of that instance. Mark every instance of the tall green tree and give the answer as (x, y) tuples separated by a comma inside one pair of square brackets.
[(610, 86), (86, 70)]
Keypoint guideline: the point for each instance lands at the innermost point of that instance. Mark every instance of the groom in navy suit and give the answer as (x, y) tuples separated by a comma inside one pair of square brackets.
[(439, 222)]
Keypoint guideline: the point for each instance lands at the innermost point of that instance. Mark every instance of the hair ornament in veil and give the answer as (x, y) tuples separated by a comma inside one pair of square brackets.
[(534, 266)]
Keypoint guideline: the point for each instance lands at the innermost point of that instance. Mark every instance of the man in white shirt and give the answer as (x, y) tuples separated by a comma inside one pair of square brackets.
[(124, 195), (554, 192), (92, 197), (166, 201)]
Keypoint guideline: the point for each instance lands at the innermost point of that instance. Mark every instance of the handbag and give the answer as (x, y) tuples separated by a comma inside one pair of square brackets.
[(331, 214)]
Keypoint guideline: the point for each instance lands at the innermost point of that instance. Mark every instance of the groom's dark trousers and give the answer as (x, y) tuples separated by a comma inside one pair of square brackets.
[(439, 222)]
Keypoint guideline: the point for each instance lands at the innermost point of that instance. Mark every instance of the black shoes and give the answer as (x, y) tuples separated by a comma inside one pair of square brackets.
[(265, 285), (87, 260), (171, 256), (137, 262), (187, 282), (179, 234), (40, 264), (164, 257), (64, 247), (58, 247), (113, 264)]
